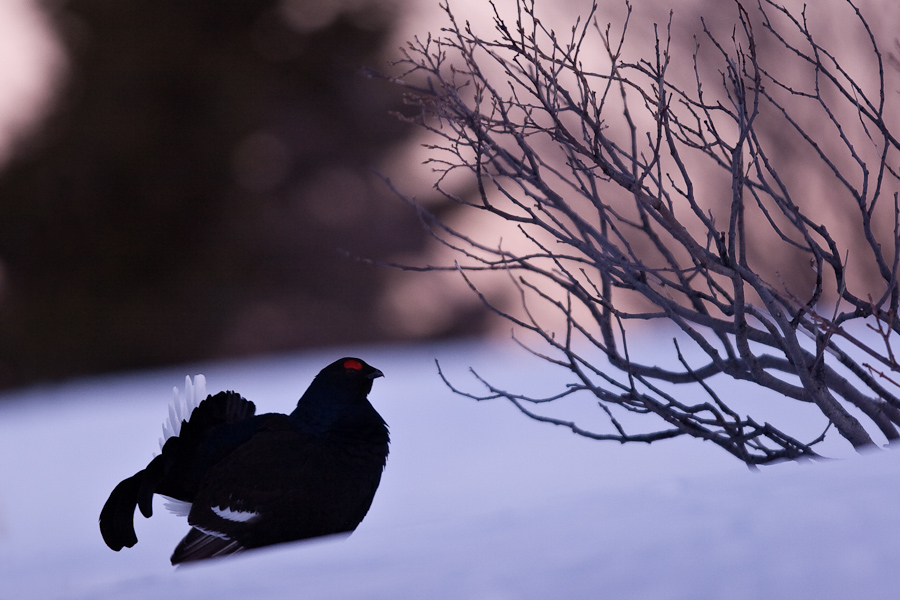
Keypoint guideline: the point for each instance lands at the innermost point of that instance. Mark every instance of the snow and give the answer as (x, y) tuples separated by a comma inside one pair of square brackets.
[(477, 502)]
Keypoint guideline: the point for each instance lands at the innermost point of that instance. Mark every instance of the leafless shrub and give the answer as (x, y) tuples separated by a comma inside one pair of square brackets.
[(612, 173)]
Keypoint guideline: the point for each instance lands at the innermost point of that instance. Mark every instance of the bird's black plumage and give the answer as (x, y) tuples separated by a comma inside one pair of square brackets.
[(256, 480)]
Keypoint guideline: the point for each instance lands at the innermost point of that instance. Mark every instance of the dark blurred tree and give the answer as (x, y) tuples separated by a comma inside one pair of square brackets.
[(189, 196)]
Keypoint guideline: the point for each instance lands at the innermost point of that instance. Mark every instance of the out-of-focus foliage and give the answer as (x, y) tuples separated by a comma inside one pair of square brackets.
[(190, 195)]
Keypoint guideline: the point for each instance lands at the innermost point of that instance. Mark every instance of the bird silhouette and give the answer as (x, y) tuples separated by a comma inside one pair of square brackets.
[(245, 480)]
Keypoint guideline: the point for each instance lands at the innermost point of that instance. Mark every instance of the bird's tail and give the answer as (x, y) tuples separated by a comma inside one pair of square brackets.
[(182, 406), (170, 472), (220, 409), (117, 516), (185, 457)]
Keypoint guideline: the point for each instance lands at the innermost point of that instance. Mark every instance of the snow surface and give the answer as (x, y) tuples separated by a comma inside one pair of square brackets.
[(477, 502)]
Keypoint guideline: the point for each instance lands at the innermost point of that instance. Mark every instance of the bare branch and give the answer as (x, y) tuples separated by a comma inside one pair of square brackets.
[(599, 176)]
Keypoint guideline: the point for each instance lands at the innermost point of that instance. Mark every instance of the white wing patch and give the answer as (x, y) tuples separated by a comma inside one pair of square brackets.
[(212, 533), (183, 404), (238, 516), (178, 508)]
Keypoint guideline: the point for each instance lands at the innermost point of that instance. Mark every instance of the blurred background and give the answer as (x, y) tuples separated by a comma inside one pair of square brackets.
[(184, 180)]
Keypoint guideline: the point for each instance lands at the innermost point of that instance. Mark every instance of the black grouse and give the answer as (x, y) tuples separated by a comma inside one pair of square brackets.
[(247, 480)]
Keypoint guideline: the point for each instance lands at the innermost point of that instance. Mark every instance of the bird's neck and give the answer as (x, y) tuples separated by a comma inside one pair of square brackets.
[(329, 410)]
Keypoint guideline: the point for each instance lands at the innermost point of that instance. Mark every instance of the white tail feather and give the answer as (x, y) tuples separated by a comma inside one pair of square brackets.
[(183, 404), (178, 508)]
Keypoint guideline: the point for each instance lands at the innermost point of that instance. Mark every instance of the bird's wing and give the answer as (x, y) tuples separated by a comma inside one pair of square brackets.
[(284, 485), (197, 545)]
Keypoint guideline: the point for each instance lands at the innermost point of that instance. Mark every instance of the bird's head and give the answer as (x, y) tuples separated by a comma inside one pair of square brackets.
[(354, 368), (348, 378), (351, 370)]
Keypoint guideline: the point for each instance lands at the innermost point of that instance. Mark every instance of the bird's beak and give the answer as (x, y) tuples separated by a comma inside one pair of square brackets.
[(376, 374)]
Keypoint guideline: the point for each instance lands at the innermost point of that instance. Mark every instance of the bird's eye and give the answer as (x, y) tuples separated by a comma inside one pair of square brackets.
[(353, 365)]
